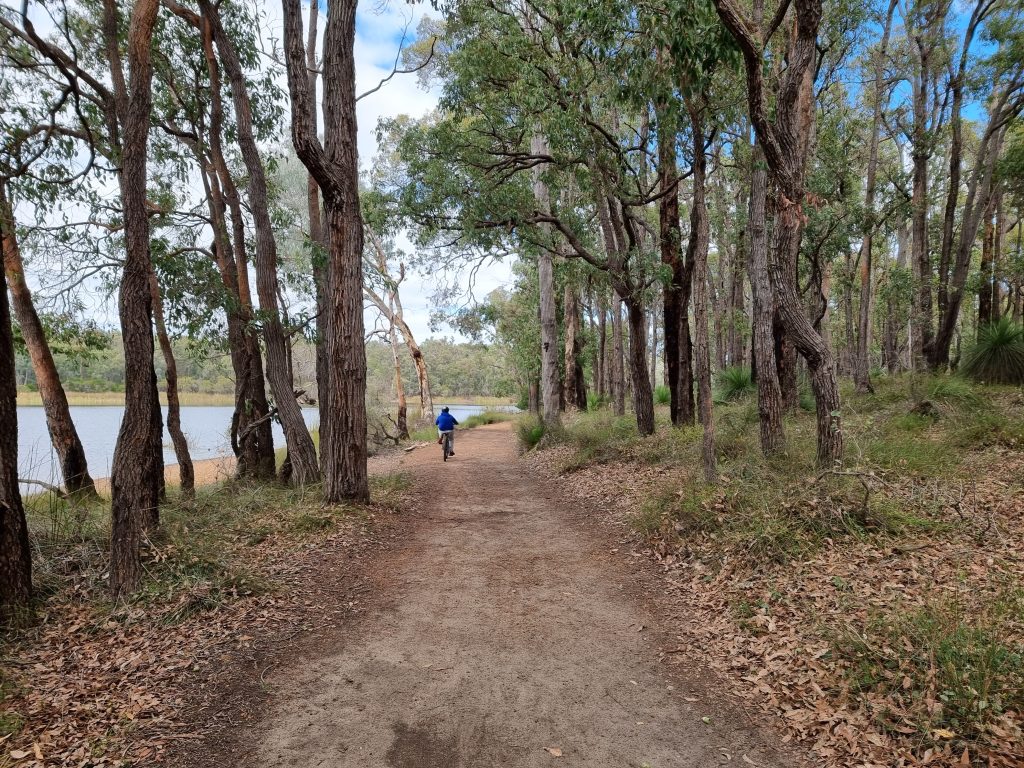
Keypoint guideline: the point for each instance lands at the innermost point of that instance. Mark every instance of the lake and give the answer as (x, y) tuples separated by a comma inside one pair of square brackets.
[(206, 427)]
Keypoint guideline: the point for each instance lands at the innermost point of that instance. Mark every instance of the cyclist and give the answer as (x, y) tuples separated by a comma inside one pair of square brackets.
[(446, 423)]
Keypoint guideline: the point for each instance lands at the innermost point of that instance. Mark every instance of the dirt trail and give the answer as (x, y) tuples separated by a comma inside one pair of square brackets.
[(508, 631)]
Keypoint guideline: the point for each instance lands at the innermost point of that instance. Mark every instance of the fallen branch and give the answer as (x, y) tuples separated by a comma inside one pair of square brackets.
[(56, 490)]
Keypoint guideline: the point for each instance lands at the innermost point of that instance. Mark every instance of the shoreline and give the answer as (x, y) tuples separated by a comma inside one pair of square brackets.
[(30, 399)]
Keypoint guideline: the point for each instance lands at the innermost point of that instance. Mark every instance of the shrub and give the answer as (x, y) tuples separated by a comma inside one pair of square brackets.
[(662, 395), (735, 383), (997, 357), (807, 402), (530, 431)]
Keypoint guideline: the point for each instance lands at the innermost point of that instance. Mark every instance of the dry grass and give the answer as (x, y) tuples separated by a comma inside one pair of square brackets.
[(117, 398)]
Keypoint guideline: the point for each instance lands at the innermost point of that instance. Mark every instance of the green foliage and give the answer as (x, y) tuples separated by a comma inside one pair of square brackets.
[(953, 392), (734, 383), (662, 395), (997, 357), (529, 431), (599, 437)]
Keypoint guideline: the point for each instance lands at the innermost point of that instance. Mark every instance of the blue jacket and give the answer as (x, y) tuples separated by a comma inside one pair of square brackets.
[(446, 422)]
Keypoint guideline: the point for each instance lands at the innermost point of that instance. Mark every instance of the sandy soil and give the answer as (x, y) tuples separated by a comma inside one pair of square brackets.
[(207, 471), (507, 634)]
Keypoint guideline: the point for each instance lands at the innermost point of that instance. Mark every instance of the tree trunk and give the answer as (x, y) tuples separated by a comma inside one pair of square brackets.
[(997, 257), (403, 418), (134, 489), (676, 295), (15, 553), (575, 383), (769, 394), (335, 165), (980, 191), (643, 397), (697, 254), (601, 359), (549, 384), (985, 302), (922, 322), (654, 347), (185, 469), (785, 141), (317, 235), (618, 387), (252, 437), (63, 435), (738, 307), (301, 450)]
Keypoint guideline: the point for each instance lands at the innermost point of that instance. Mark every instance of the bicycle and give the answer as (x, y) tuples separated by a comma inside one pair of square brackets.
[(446, 443)]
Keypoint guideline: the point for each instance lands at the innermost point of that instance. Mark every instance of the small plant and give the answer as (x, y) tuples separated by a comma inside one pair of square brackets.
[(662, 395), (530, 431), (997, 357), (807, 402), (596, 402), (965, 656), (735, 383)]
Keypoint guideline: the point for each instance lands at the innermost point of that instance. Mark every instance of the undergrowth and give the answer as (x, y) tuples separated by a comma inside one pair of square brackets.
[(942, 672), (206, 550)]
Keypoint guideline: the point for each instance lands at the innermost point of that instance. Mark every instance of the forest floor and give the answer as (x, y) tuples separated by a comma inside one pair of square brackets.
[(875, 610)]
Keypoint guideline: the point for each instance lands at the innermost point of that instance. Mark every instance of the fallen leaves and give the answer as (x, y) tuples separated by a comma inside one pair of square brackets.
[(770, 630), (103, 687)]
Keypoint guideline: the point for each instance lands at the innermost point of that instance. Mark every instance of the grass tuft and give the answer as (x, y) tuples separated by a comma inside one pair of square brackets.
[(529, 431), (734, 383)]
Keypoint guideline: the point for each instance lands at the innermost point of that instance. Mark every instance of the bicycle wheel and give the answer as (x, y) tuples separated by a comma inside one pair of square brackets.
[(446, 446)]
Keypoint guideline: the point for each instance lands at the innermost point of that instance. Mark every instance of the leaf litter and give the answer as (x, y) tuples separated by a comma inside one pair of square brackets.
[(93, 685), (774, 630)]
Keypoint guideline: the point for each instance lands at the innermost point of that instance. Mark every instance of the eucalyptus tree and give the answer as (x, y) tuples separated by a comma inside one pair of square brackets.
[(1001, 75), (493, 110), (66, 443), (334, 164), (192, 112), (301, 451), (784, 132), (877, 98)]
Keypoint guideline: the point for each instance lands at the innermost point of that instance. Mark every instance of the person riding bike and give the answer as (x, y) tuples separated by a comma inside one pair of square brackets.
[(446, 423)]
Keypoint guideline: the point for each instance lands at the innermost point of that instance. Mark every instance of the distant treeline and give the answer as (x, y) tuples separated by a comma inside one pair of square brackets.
[(456, 369)]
